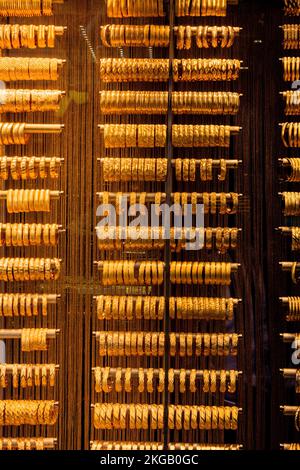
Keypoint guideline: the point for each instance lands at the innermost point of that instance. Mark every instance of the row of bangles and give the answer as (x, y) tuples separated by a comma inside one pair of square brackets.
[(223, 203), (132, 273), (29, 68), (28, 8), (292, 7), (15, 36), (29, 269), (29, 168), (28, 375), (115, 35), (23, 305), (23, 100), (135, 416), (34, 339), (135, 169), (136, 445), (155, 8), (295, 238), (292, 102), (28, 234), (32, 412), (25, 443), (135, 8), (293, 308), (109, 380), (186, 169), (156, 102), (290, 134), (158, 70), (28, 200), (155, 135), (129, 343), (291, 203), (291, 36), (221, 239), (291, 69), (153, 308)]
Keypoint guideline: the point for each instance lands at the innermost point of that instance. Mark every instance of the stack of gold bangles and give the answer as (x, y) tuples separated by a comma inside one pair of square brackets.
[(201, 7), (28, 375), (23, 305), (135, 169), (201, 135), (149, 35), (201, 273), (135, 416), (21, 101), (290, 134), (29, 269), (28, 234), (206, 447), (294, 167), (28, 68), (130, 307), (130, 273), (222, 203), (13, 133), (202, 308), (135, 135), (15, 36), (149, 102), (293, 309), (133, 102), (137, 9), (29, 168), (158, 70), (151, 135), (206, 36), (292, 99), (34, 339), (211, 102), (186, 169), (294, 272), (291, 36), (109, 380), (134, 70), (222, 239), (33, 412), (130, 238), (292, 7), (193, 70), (32, 8), (203, 344), (291, 203), (294, 445), (295, 238), (28, 200), (24, 443), (291, 66), (129, 343), (124, 445), (147, 239)]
